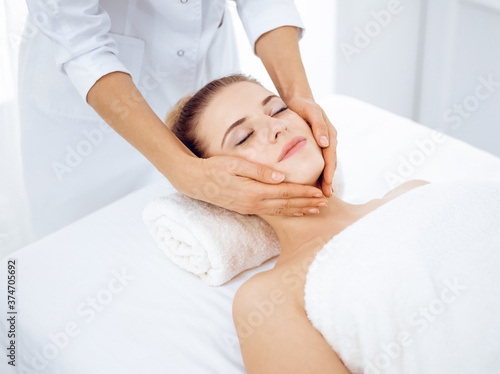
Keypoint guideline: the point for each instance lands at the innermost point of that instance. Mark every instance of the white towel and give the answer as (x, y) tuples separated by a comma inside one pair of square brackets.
[(414, 286), (211, 242)]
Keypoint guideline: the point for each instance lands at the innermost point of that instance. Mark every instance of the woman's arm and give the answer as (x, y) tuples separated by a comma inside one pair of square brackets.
[(276, 336)]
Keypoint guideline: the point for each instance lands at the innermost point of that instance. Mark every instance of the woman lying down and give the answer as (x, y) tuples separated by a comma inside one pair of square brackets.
[(405, 283)]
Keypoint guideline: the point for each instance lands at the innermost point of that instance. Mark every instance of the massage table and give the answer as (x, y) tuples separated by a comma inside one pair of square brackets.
[(100, 297)]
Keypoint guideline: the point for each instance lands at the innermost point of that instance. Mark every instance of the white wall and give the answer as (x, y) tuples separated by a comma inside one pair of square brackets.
[(14, 228), (378, 45), (317, 46), (461, 71), (424, 59)]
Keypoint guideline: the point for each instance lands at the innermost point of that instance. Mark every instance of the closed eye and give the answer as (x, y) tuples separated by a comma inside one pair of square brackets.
[(250, 134), (281, 110), (245, 139)]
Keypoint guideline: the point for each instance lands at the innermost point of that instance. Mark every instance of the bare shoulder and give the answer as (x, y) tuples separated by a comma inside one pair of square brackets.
[(275, 335), (261, 286), (405, 187), (265, 288)]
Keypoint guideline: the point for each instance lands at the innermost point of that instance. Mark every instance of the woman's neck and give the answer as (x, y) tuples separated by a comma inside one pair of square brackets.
[(299, 234)]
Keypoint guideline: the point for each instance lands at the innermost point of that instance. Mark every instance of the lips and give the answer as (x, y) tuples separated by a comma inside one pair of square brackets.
[(292, 147)]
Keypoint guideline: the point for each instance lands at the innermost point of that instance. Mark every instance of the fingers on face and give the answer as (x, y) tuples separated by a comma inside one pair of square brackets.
[(253, 203), (292, 207), (318, 124), (330, 157), (326, 188), (288, 191), (232, 165), (257, 172)]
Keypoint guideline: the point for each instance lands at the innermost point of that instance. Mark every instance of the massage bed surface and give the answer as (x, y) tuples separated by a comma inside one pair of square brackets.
[(99, 296)]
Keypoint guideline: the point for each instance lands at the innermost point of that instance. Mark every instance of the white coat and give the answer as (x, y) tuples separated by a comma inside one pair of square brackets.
[(73, 162)]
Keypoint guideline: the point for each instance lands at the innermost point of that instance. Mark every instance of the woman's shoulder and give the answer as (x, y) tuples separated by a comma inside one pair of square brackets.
[(265, 317), (403, 188), (260, 286), (260, 299), (276, 287)]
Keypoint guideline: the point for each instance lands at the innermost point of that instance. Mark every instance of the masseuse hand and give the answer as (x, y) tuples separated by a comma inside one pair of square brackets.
[(322, 130), (279, 51), (235, 184)]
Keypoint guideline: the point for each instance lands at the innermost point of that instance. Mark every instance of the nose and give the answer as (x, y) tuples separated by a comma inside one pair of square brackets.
[(278, 126)]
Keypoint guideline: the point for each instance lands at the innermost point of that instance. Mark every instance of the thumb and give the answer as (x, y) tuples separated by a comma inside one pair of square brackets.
[(258, 172)]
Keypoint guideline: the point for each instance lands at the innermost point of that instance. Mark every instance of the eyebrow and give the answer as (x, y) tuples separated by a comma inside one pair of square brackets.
[(268, 99), (242, 120)]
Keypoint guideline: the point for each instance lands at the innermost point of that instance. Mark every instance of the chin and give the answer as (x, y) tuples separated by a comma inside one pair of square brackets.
[(307, 172), (307, 179)]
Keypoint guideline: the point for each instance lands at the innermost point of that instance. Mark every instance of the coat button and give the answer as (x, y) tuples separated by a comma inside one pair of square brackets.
[(180, 52), (184, 1)]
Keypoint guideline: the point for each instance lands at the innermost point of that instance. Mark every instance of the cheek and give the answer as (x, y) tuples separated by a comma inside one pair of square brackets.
[(315, 160), (259, 150), (256, 155), (297, 122)]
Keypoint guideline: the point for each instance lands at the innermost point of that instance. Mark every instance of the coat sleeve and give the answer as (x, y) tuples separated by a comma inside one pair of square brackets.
[(83, 48), (261, 16)]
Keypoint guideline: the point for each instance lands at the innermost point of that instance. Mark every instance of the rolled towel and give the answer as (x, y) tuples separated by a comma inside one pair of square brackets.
[(211, 242)]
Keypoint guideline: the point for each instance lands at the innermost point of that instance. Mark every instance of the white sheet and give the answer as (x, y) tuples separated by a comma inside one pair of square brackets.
[(165, 320)]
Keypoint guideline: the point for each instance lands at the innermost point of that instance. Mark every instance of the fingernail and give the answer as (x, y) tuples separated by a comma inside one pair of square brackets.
[(298, 214), (318, 195), (313, 210), (278, 177), (324, 141), (322, 204)]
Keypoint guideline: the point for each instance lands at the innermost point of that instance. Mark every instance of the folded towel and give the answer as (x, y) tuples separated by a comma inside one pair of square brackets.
[(413, 287), (211, 242)]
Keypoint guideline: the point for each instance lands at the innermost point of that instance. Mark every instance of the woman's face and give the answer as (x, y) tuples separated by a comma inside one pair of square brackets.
[(246, 120)]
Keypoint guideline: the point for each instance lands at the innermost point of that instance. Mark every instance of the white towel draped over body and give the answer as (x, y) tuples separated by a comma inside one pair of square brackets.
[(414, 286)]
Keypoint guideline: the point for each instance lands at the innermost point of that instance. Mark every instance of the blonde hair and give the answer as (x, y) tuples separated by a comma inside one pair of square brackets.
[(174, 113), (183, 118)]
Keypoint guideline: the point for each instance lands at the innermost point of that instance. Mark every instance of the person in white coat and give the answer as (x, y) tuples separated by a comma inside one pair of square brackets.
[(98, 76)]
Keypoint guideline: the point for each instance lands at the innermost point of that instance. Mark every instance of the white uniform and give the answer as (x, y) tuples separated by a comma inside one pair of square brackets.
[(73, 162)]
